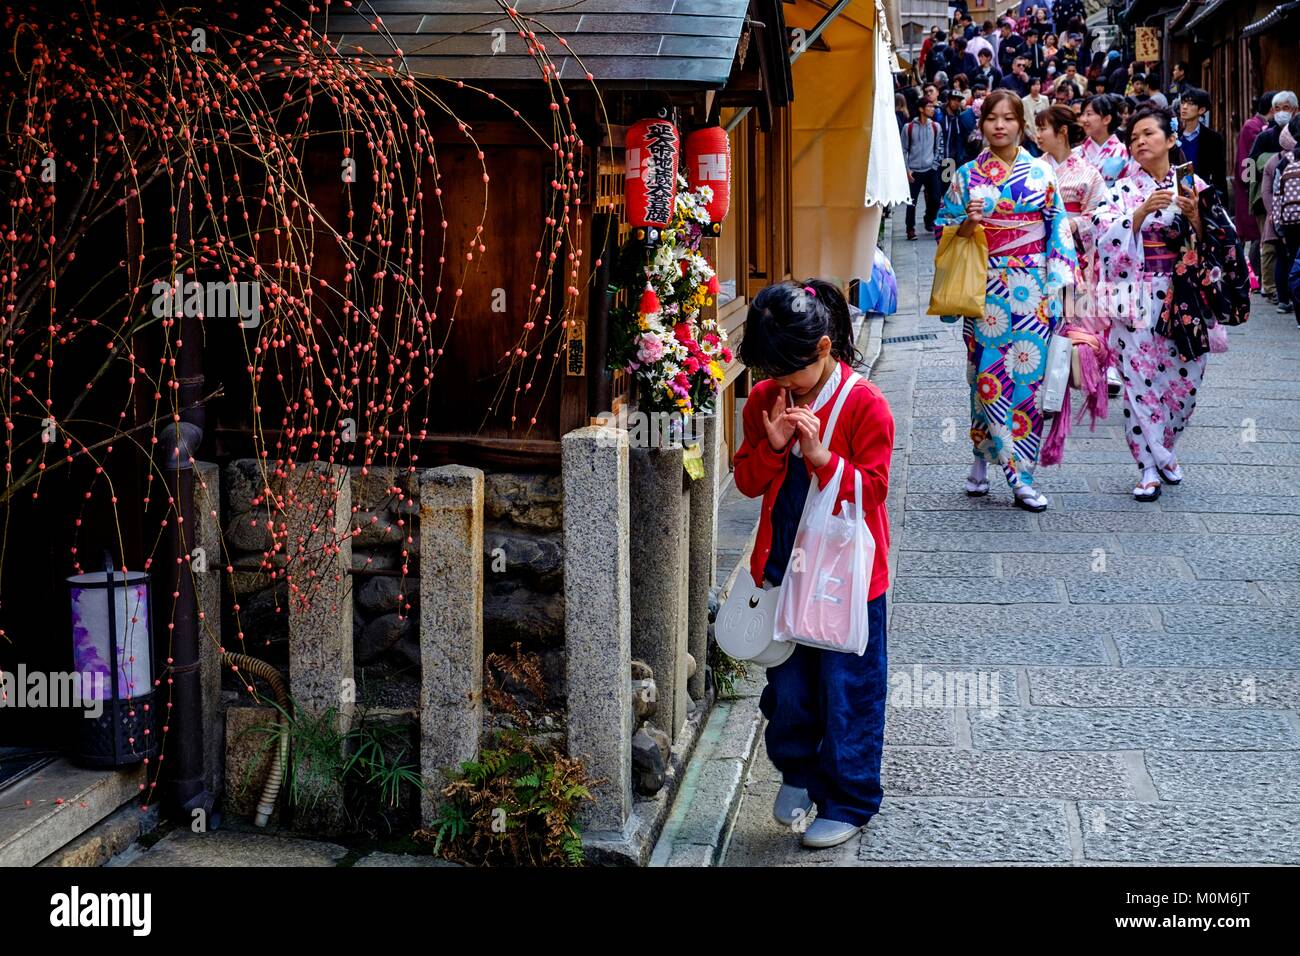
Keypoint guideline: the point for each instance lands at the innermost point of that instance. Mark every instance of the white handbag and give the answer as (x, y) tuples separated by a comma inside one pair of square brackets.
[(744, 626)]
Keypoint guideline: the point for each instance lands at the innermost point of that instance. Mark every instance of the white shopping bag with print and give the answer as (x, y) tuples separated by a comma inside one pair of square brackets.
[(824, 594)]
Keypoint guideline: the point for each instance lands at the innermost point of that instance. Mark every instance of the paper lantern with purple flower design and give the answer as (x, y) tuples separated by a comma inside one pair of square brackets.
[(112, 656)]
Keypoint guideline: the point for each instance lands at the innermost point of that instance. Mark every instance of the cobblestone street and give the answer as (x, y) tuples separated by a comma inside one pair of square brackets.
[(1120, 680)]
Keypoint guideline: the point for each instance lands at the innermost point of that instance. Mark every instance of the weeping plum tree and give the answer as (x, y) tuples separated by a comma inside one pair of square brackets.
[(153, 170)]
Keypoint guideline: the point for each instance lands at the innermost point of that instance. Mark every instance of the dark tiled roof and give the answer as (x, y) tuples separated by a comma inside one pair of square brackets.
[(1276, 17), (639, 43)]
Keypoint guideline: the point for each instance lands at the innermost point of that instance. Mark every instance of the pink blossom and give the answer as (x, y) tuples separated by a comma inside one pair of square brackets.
[(651, 348)]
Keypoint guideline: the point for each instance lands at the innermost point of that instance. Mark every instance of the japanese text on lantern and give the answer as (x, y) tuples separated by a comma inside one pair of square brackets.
[(659, 170)]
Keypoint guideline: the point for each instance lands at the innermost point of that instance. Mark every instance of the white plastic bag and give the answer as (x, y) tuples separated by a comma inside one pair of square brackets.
[(1056, 378), (824, 594)]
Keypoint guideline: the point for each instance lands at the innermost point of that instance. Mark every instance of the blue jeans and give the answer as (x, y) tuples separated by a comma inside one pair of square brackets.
[(826, 723)]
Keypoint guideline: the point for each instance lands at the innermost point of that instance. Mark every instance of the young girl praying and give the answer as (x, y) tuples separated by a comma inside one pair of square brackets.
[(825, 709)]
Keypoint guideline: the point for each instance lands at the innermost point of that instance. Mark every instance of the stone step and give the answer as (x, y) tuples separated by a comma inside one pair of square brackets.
[(51, 808)]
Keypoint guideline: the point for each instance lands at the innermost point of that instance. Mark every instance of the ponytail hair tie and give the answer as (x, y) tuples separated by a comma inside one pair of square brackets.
[(810, 290)]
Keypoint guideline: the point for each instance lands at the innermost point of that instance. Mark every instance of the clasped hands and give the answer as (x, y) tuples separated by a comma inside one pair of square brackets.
[(785, 419)]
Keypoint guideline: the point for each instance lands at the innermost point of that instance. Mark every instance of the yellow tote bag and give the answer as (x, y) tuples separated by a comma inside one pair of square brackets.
[(960, 273)]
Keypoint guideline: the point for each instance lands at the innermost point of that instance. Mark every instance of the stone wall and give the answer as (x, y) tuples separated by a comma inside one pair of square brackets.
[(523, 569), (523, 573)]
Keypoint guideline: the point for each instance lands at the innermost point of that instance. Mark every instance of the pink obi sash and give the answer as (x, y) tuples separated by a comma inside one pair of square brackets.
[(1157, 260), (1016, 234), (1074, 208)]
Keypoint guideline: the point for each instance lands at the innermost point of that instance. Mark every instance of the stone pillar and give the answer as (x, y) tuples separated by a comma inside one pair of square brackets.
[(207, 590), (597, 618), (320, 559), (658, 508), (316, 506), (451, 625), (703, 535)]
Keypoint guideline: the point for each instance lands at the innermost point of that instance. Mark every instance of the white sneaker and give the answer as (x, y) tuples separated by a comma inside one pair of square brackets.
[(825, 833), (792, 803)]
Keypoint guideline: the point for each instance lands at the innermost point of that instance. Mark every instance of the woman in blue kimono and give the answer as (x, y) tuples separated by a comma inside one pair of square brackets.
[(1031, 259)]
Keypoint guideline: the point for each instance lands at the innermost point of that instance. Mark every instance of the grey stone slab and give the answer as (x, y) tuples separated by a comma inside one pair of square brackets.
[(992, 542), (1182, 688), (1044, 728), (1009, 649), (389, 860), (1060, 503), (1237, 505), (739, 730), (1234, 417), (1269, 524), (1113, 589), (692, 854), (1250, 568), (1104, 563), (950, 478), (986, 831), (1208, 650), (1202, 437), (229, 848), (1130, 521), (949, 522), (1204, 619), (933, 563), (759, 841), (931, 686), (706, 819), (1121, 481), (920, 726), (933, 402), (1253, 777), (965, 773), (980, 590), (1281, 593), (1190, 832), (1045, 620), (1214, 546)]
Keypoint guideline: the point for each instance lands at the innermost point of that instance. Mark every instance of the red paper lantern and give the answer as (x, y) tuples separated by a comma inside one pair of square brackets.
[(652, 148), (708, 163)]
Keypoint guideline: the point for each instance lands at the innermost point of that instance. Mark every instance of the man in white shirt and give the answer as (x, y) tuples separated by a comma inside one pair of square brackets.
[(977, 43)]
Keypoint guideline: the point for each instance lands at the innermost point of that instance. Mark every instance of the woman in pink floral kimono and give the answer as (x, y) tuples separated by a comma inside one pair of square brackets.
[(1141, 242), (1083, 191)]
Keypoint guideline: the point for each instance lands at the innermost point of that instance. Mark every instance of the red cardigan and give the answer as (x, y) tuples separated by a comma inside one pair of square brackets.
[(864, 436)]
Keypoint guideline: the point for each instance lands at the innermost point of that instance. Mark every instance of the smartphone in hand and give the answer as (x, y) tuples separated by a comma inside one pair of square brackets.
[(1185, 180)]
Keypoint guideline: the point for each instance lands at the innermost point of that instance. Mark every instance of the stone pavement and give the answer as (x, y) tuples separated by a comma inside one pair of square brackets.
[(1107, 682)]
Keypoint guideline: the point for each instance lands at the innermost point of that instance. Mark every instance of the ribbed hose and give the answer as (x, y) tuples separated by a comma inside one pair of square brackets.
[(275, 776)]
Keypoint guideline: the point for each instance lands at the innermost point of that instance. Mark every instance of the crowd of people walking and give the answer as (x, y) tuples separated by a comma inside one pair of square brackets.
[(1102, 196)]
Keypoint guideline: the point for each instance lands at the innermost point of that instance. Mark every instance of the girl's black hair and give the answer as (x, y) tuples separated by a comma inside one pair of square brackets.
[(1106, 104), (786, 321)]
